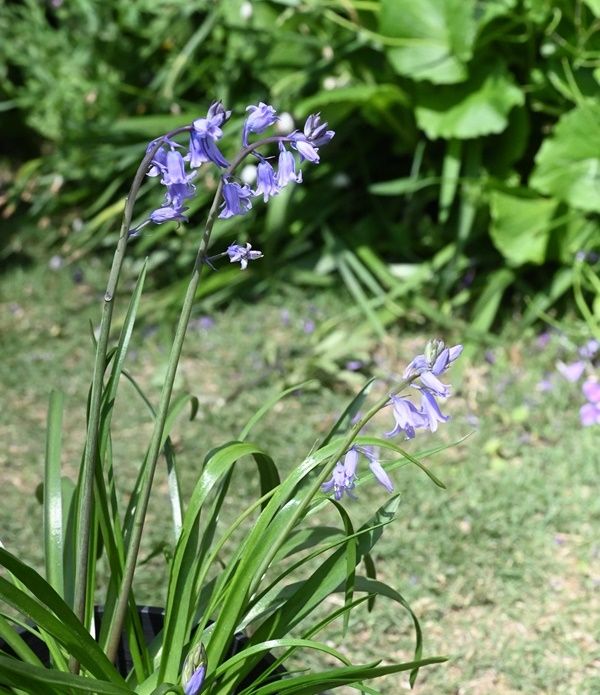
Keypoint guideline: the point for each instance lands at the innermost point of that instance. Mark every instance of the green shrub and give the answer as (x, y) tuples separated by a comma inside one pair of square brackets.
[(469, 132)]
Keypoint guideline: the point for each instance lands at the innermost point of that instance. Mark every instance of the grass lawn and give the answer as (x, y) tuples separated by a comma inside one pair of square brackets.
[(502, 567)]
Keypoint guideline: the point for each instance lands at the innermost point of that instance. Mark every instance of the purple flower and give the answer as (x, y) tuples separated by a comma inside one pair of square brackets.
[(543, 339), (589, 414), (194, 670), (168, 213), (315, 135), (204, 135), (177, 193), (260, 118), (571, 372), (432, 363), (589, 350), (173, 171), (309, 326), (436, 359), (236, 199), (376, 468), (242, 254), (343, 478), (194, 684), (591, 390), (431, 410), (317, 132), (407, 417), (266, 183), (159, 161), (286, 170)]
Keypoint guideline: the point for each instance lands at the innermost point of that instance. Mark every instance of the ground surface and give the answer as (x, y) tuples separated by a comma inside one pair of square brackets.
[(503, 567)]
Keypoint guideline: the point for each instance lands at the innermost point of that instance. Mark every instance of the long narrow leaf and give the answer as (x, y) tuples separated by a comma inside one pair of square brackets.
[(34, 679), (53, 506), (61, 623)]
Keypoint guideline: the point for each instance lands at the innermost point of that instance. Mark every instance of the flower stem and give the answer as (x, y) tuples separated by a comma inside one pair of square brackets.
[(154, 447), (86, 479), (118, 616)]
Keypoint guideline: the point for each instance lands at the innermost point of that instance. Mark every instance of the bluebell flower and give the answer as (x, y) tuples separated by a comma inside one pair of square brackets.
[(260, 118), (432, 364), (242, 254), (436, 359), (315, 135), (376, 468), (286, 169), (431, 410), (167, 214), (236, 199), (407, 417), (194, 685), (194, 670), (204, 135), (266, 182), (316, 131), (159, 161), (343, 478)]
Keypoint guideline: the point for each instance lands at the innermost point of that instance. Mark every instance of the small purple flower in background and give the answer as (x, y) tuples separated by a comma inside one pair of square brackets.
[(589, 413), (343, 478), (571, 372), (591, 390), (545, 385), (543, 339), (204, 135), (309, 326), (354, 365), (407, 417), (242, 254), (266, 183), (260, 118), (590, 349), (236, 199)]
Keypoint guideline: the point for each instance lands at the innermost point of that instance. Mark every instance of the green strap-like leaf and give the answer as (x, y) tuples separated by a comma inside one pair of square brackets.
[(53, 507), (61, 623), (36, 680)]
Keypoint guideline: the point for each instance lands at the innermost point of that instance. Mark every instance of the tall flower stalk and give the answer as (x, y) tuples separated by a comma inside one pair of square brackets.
[(163, 159)]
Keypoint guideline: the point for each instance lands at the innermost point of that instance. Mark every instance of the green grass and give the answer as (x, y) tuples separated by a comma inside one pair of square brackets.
[(503, 567)]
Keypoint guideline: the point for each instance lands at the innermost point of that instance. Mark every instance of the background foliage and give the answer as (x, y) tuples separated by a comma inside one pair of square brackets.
[(465, 165)]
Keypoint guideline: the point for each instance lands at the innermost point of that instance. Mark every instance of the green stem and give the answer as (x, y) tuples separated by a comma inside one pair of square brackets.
[(118, 616), (154, 447), (86, 479)]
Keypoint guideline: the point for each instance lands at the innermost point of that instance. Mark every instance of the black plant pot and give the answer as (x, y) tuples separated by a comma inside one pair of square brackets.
[(152, 620)]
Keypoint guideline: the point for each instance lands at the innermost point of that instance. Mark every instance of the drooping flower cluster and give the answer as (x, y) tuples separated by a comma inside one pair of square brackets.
[(169, 163), (427, 368), (343, 479), (408, 417)]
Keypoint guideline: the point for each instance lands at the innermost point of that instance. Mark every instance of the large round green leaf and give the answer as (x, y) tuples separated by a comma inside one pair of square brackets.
[(477, 107), (521, 226), (568, 163), (435, 36)]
